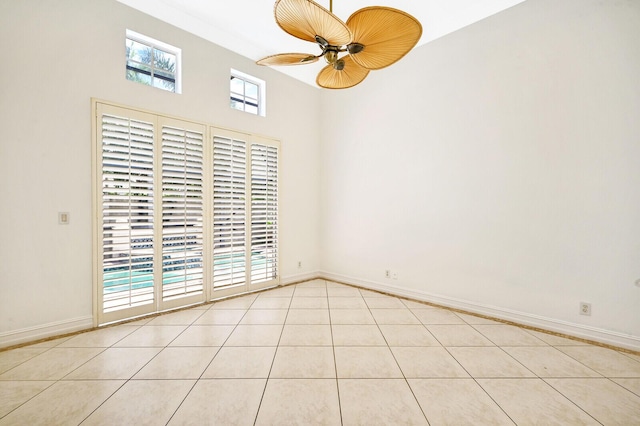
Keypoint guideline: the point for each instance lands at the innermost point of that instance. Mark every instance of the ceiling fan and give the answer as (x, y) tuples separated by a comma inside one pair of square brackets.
[(372, 38)]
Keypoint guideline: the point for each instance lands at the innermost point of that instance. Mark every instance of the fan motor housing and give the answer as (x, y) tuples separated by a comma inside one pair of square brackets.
[(354, 48)]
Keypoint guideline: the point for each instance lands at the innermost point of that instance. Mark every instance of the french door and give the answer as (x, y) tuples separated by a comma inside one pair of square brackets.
[(245, 185), (185, 213)]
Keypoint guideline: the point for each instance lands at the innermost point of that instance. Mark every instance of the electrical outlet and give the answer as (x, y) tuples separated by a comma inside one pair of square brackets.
[(394, 275), (299, 264), (585, 308), (63, 218), (387, 274)]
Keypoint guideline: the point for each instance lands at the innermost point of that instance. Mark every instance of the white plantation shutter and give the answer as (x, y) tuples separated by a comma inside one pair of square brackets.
[(182, 212), (264, 212), (229, 211), (127, 212)]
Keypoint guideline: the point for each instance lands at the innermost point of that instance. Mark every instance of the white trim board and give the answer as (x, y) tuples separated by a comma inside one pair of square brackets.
[(607, 337), (52, 329), (59, 328), (296, 278), (580, 331)]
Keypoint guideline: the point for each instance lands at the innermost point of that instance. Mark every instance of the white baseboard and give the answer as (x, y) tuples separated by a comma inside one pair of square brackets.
[(550, 324), (306, 276), (31, 334), (53, 329)]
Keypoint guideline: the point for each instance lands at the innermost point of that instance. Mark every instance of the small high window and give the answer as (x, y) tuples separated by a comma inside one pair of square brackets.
[(152, 62), (247, 93)]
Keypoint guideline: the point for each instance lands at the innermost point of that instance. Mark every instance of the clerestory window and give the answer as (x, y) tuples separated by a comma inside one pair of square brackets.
[(247, 93), (152, 62)]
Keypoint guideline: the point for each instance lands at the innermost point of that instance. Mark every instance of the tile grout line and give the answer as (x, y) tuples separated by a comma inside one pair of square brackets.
[(333, 350), (209, 363), (570, 400), (446, 348), (275, 354), (503, 349), (20, 405), (396, 360), (514, 359), (536, 376), (505, 352), (143, 366), (624, 387), (580, 362), (152, 358), (56, 381), (602, 376)]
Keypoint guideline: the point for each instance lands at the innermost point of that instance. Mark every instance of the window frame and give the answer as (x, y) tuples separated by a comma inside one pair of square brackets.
[(160, 46), (262, 91)]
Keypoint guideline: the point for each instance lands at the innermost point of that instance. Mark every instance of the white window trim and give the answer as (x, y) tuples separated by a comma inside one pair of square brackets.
[(262, 90), (141, 38)]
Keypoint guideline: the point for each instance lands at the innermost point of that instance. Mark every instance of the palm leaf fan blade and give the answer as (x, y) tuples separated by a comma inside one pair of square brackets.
[(349, 76), (305, 19), (386, 33), (288, 59)]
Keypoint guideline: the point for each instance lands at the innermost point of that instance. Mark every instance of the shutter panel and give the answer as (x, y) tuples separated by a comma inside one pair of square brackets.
[(127, 215), (182, 212), (229, 211), (264, 213), (173, 212)]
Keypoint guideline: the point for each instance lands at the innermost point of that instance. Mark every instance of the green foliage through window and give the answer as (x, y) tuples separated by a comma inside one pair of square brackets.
[(147, 64)]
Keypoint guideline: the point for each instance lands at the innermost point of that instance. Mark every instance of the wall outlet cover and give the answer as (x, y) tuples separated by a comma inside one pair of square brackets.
[(585, 308)]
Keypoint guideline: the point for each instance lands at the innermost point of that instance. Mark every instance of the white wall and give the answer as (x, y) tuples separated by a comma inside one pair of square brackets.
[(497, 169), (57, 56)]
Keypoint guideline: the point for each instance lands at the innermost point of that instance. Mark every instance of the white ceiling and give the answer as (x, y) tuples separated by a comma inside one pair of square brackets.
[(248, 27)]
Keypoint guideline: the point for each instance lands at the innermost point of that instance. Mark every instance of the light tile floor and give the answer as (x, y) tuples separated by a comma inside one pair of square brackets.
[(317, 353)]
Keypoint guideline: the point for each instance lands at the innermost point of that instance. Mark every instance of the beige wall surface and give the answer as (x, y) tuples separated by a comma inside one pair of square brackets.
[(57, 56), (498, 169)]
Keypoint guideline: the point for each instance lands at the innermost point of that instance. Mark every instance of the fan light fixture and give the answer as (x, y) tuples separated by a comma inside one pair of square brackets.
[(372, 38)]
